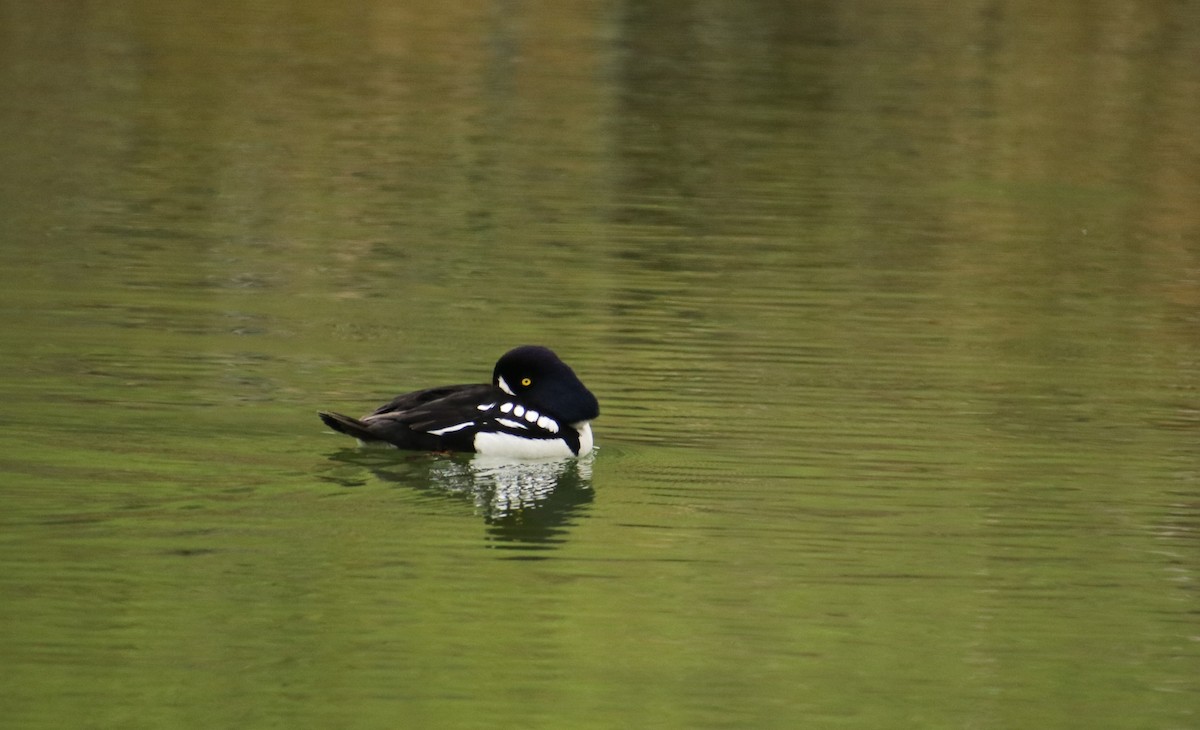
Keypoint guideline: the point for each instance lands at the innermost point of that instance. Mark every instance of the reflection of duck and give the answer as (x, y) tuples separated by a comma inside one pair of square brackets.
[(535, 407), (525, 503)]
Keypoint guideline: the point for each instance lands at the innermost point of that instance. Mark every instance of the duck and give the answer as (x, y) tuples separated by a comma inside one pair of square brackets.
[(534, 408)]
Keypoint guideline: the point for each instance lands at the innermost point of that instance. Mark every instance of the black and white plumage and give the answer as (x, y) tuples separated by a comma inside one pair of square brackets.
[(535, 407)]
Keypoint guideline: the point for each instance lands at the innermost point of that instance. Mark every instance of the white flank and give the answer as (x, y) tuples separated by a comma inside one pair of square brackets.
[(517, 447), (510, 445), (504, 386), (449, 429)]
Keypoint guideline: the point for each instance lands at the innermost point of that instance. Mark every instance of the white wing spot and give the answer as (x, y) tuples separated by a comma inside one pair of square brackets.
[(485, 406), (531, 416), (449, 429), (506, 407), (510, 423), (519, 411), (547, 423)]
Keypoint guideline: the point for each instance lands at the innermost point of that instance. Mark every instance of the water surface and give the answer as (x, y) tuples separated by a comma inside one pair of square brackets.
[(892, 316)]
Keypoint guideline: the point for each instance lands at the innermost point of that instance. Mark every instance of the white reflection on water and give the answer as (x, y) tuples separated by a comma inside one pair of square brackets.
[(502, 487), (526, 504)]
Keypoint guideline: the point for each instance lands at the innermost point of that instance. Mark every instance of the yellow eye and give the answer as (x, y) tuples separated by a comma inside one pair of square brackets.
[(526, 382)]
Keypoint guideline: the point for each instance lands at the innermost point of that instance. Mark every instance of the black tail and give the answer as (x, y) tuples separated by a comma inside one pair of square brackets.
[(347, 425)]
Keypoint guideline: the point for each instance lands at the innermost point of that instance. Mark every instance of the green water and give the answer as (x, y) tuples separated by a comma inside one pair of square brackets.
[(893, 315)]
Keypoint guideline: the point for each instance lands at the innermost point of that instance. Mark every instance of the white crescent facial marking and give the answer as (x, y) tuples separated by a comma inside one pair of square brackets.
[(504, 386), (449, 429)]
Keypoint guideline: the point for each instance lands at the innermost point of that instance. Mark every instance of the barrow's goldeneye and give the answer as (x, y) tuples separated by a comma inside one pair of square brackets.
[(535, 407)]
